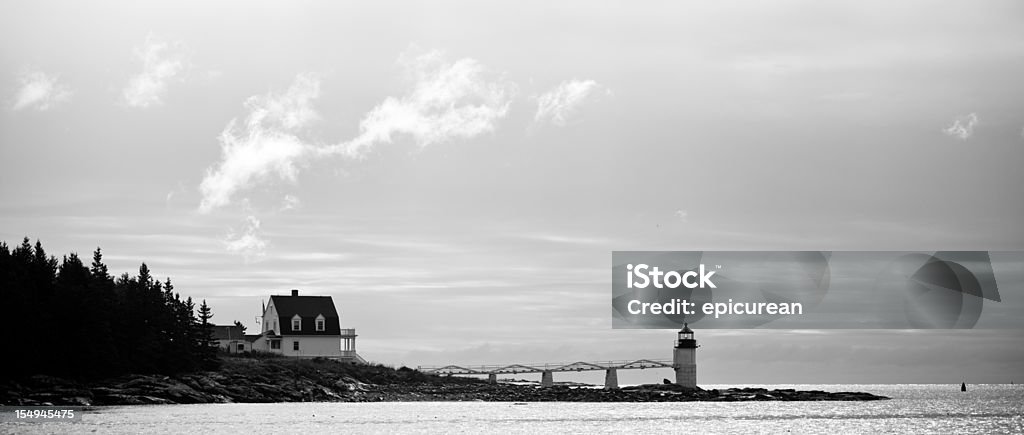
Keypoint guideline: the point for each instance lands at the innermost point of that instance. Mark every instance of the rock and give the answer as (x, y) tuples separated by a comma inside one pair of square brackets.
[(152, 400), (288, 380), (77, 401), (121, 399), (181, 393)]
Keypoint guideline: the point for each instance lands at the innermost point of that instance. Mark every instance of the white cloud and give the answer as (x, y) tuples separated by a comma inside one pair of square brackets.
[(447, 100), (179, 189), (963, 126), (568, 239), (290, 202), (40, 91), (557, 105), (162, 62), (682, 215), (247, 243), (313, 256), (266, 144)]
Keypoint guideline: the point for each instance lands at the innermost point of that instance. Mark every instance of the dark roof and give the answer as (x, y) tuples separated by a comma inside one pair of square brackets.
[(686, 329), (252, 337), (228, 332), (307, 307)]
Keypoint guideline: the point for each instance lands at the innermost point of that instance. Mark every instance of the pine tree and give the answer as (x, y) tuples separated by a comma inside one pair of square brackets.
[(98, 269), (207, 344), (107, 326)]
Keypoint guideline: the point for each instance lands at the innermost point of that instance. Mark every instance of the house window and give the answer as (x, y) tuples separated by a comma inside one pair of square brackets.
[(295, 345), (319, 324), (241, 347), (296, 323), (275, 344)]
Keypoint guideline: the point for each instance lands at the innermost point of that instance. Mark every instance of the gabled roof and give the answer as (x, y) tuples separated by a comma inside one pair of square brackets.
[(228, 332), (252, 337), (307, 307)]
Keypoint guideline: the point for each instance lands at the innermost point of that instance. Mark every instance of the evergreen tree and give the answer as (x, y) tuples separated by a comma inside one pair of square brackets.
[(97, 325), (206, 342), (101, 299), (98, 269)]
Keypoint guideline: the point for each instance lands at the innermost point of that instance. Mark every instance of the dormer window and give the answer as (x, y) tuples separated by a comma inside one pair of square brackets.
[(296, 323), (321, 324)]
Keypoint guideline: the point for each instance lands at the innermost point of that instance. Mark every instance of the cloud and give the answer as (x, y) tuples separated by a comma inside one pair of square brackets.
[(162, 62), (179, 189), (447, 100), (313, 256), (266, 144), (682, 215), (40, 91), (567, 239), (963, 126), (247, 243), (290, 202), (557, 105)]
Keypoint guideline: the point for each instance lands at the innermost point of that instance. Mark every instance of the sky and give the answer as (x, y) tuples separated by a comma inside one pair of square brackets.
[(456, 175)]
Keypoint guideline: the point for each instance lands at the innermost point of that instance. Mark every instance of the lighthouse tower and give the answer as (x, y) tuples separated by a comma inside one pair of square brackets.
[(684, 358)]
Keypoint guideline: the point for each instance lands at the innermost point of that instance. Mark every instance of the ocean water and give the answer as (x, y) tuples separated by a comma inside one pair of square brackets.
[(913, 409)]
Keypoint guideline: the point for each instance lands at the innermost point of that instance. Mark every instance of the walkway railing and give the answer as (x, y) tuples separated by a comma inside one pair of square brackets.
[(577, 366)]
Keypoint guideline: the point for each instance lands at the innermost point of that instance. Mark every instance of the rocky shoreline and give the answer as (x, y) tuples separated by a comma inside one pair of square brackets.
[(242, 380)]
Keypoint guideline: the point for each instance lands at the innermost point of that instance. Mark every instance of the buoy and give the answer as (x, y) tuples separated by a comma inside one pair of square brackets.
[(963, 386)]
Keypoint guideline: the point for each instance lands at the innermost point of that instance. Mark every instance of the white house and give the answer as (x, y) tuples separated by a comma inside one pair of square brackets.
[(306, 327)]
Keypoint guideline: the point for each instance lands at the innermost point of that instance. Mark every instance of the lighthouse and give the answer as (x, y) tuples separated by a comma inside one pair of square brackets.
[(684, 358)]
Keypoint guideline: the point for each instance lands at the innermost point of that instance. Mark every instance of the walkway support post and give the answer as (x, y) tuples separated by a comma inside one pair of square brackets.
[(611, 379), (546, 379), (492, 378)]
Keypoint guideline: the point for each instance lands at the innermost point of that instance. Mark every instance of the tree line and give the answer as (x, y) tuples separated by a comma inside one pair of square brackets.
[(67, 318)]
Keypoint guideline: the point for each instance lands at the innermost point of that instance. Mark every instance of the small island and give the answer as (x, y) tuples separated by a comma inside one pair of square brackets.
[(267, 379), (153, 346)]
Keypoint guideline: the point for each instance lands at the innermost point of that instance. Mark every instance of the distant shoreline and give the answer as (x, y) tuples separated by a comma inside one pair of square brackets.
[(270, 380)]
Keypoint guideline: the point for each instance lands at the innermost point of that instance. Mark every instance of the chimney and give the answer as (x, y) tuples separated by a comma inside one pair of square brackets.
[(295, 292)]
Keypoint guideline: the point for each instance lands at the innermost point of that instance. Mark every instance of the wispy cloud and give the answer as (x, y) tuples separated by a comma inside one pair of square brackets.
[(963, 126), (313, 256), (447, 100), (162, 62), (267, 143), (40, 91), (179, 189), (557, 105), (290, 202), (567, 239), (247, 242), (682, 215)]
